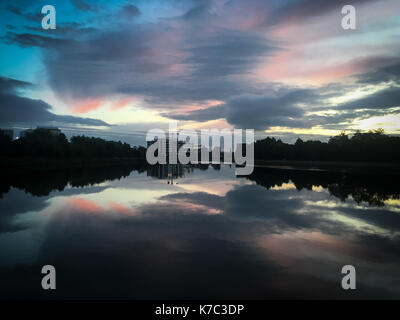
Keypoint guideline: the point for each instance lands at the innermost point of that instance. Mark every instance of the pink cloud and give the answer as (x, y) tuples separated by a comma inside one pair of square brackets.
[(88, 106), (119, 208), (123, 103), (296, 65), (84, 205)]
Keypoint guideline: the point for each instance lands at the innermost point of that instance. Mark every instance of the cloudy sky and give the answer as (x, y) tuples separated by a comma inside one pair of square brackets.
[(285, 68)]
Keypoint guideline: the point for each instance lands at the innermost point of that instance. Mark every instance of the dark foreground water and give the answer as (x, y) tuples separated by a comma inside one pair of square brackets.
[(133, 233)]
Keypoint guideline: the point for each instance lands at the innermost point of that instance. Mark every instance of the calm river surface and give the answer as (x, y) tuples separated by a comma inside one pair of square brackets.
[(199, 232)]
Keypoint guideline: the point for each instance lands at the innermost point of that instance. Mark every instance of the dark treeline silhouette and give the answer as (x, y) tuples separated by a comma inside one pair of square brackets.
[(374, 145), (370, 188), (44, 143)]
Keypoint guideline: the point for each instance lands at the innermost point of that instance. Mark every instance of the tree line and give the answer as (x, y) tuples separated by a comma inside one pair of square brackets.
[(373, 145), (42, 143)]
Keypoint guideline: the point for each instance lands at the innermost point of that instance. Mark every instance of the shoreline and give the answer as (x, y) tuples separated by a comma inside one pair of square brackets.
[(19, 165)]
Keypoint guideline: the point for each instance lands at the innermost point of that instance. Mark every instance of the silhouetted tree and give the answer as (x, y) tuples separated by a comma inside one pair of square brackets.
[(45, 143), (41, 142), (5, 143), (373, 145)]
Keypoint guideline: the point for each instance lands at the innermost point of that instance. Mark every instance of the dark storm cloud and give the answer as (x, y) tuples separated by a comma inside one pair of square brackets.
[(139, 252), (18, 109), (344, 116), (139, 59), (14, 203), (390, 72), (377, 217), (130, 11), (382, 99), (82, 5), (34, 40), (8, 85), (271, 207), (306, 9), (197, 12), (201, 198), (170, 94), (14, 10), (156, 255), (103, 63), (70, 29), (250, 203), (273, 12), (228, 53), (190, 58), (30, 16), (34, 17), (207, 114), (259, 112), (128, 55), (125, 62)]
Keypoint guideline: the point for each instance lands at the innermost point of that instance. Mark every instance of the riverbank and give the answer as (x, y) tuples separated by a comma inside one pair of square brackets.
[(12, 165), (20, 165)]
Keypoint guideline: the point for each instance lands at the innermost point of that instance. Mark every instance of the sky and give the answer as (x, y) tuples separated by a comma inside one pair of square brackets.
[(285, 68)]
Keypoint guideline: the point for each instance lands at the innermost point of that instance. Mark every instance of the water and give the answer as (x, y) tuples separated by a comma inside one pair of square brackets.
[(190, 232)]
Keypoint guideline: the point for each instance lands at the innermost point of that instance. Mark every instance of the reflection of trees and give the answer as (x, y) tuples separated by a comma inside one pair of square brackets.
[(174, 171), (166, 171), (41, 184), (362, 187)]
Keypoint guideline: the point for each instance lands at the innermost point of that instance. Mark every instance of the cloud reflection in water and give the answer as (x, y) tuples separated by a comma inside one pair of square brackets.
[(277, 234)]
